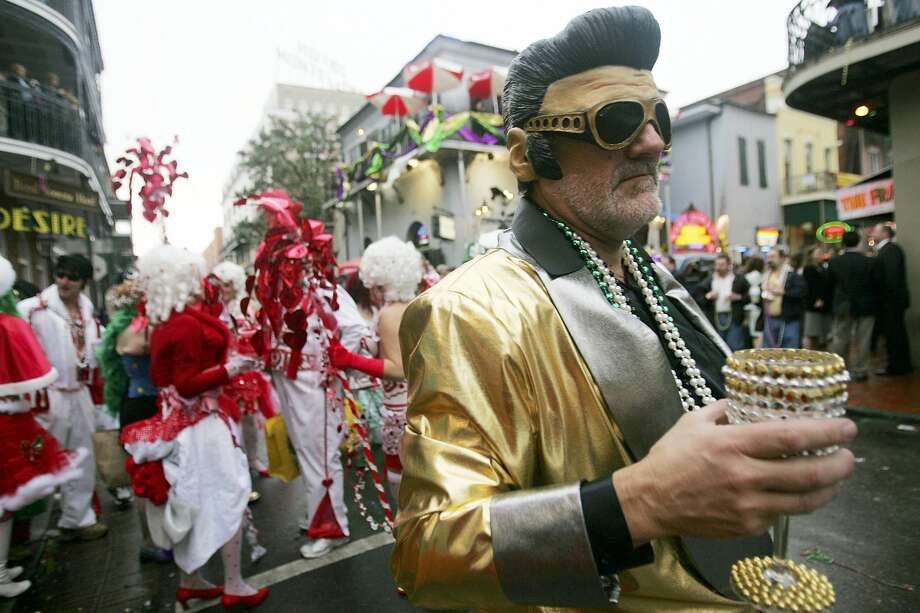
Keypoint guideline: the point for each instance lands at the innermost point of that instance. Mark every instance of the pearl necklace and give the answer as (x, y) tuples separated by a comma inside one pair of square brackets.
[(654, 298)]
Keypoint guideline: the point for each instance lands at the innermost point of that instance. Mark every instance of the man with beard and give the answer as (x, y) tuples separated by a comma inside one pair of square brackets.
[(563, 446)]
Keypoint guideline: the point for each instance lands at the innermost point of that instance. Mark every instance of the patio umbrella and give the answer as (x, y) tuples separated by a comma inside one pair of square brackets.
[(487, 83), (397, 101), (433, 76)]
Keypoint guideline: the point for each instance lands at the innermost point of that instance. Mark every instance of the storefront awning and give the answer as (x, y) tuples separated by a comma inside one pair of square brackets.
[(815, 212)]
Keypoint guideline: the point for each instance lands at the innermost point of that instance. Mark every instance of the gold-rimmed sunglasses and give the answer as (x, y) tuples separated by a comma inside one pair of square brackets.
[(609, 125)]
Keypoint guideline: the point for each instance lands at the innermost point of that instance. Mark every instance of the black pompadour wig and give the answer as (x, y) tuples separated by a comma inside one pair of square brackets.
[(74, 264), (614, 36)]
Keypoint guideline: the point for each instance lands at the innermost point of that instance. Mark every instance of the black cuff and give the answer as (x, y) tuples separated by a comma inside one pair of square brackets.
[(611, 542)]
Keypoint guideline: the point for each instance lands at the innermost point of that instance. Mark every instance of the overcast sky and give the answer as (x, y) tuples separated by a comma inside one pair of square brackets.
[(202, 69)]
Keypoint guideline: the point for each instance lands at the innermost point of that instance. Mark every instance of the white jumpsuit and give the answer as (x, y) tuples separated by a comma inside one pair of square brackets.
[(315, 426)]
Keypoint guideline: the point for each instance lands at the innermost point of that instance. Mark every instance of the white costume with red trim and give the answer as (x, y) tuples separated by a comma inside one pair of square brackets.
[(315, 426), (71, 413)]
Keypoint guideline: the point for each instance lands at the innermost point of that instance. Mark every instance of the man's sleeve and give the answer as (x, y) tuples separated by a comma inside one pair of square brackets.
[(471, 531)]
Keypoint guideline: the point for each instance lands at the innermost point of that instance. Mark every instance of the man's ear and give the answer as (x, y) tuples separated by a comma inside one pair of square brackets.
[(517, 150)]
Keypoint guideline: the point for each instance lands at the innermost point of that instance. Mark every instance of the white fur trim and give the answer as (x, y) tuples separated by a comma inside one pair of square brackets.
[(43, 485), (7, 275), (24, 387), (143, 451), (393, 266)]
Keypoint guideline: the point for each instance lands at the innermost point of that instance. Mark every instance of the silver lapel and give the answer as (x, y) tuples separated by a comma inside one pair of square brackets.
[(634, 376)]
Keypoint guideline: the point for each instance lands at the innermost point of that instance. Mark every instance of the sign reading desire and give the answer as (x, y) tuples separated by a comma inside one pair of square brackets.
[(867, 199), (693, 231), (35, 188), (24, 219)]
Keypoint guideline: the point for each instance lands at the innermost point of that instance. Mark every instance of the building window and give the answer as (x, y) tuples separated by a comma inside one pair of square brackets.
[(809, 158), (762, 163), (742, 159), (787, 164), (829, 159), (875, 159)]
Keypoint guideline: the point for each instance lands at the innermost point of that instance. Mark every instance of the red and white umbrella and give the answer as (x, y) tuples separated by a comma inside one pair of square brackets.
[(433, 76), (488, 83), (397, 101)]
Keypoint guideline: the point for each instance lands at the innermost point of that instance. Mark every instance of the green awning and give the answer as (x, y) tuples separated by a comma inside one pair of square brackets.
[(816, 212)]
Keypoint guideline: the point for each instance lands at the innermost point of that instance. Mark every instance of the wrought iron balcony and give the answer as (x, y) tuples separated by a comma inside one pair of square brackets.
[(33, 115), (816, 27)]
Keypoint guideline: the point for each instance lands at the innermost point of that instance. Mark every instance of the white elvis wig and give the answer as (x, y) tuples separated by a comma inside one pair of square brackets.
[(393, 266), (169, 276), (228, 272)]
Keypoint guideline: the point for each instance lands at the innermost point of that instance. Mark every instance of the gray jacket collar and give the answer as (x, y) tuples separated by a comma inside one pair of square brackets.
[(543, 241)]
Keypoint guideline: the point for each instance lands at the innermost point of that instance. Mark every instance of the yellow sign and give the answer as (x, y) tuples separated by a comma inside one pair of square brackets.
[(24, 219)]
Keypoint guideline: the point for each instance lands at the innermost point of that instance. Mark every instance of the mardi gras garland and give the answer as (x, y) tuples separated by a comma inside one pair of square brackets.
[(484, 128)]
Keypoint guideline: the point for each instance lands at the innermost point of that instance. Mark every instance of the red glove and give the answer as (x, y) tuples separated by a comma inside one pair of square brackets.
[(343, 358)]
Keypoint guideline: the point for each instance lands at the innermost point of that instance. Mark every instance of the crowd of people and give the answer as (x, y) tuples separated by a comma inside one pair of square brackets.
[(849, 299), (551, 415), (39, 111), (177, 364)]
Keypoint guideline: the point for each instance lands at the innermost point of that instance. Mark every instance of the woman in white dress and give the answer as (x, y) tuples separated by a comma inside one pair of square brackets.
[(186, 459)]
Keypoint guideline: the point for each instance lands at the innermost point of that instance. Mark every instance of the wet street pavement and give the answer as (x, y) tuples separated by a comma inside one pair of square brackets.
[(866, 541)]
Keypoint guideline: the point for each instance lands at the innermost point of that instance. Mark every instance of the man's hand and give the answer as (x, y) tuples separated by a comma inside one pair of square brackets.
[(734, 297), (711, 480), (712, 294)]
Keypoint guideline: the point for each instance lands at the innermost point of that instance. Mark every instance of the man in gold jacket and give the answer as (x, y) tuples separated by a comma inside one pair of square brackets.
[(552, 457)]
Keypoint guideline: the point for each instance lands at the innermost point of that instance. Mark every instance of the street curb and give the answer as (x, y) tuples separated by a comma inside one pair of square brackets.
[(878, 413)]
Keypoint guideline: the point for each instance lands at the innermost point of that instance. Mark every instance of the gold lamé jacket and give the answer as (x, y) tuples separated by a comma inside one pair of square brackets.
[(524, 383)]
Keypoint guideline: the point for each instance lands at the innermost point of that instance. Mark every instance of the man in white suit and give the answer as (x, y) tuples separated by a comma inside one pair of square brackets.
[(63, 320)]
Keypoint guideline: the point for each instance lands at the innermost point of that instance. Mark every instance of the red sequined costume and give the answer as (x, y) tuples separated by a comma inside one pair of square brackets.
[(204, 472), (33, 463)]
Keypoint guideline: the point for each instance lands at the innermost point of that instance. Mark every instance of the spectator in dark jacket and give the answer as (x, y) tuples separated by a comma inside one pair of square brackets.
[(852, 281), (817, 326), (723, 302), (783, 296), (895, 299)]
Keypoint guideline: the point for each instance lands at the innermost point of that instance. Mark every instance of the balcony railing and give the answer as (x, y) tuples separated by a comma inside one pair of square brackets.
[(30, 114), (815, 28), (810, 183), (35, 116)]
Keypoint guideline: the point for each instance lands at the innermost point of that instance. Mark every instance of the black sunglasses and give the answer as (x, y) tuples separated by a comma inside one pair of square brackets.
[(72, 276), (609, 125)]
